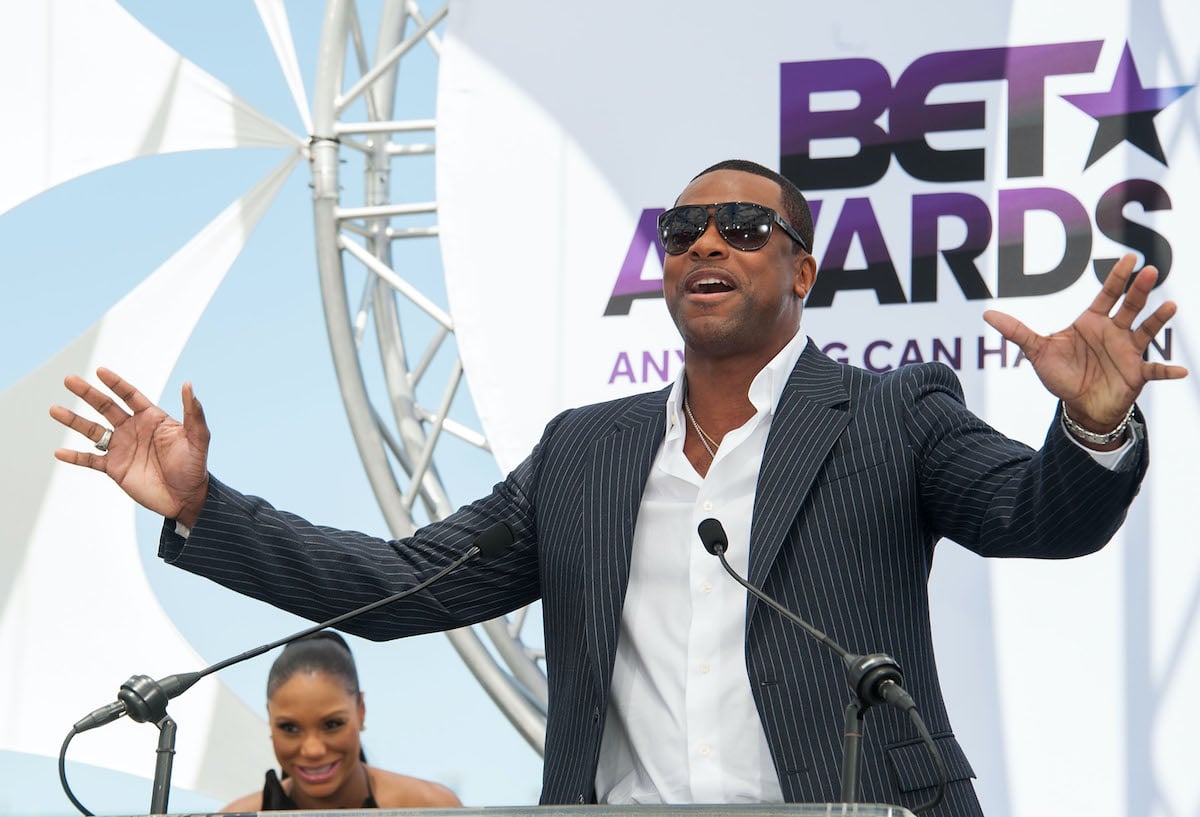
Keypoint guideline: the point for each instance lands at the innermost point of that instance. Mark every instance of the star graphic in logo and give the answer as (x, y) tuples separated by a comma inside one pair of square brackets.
[(1125, 112)]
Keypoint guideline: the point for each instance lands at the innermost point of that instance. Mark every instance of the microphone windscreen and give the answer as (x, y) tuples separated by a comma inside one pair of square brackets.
[(495, 540), (712, 535)]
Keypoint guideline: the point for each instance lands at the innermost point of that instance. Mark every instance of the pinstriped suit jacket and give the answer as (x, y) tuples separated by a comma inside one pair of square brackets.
[(862, 474)]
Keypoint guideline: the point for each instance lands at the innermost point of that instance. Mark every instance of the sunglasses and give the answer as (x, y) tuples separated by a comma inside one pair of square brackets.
[(743, 225)]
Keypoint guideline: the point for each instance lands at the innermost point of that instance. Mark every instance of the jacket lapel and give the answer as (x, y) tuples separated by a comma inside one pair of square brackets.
[(811, 415), (618, 468)]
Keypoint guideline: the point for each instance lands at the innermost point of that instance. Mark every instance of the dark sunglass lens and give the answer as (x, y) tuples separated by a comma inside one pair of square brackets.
[(681, 226), (743, 225)]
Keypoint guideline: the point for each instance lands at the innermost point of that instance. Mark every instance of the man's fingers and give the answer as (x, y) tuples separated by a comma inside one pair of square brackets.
[(1014, 330), (1136, 296), (100, 401), (194, 422), (92, 430), (76, 385), (85, 459), (1163, 371), (1154, 324), (124, 389), (1114, 284)]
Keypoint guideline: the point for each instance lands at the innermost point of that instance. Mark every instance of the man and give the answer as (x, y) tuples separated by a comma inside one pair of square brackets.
[(668, 684)]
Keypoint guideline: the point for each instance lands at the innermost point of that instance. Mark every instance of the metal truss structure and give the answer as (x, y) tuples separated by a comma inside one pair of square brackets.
[(393, 344)]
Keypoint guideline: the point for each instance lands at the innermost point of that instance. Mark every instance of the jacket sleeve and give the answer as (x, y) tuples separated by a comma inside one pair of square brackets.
[(999, 497), (242, 542)]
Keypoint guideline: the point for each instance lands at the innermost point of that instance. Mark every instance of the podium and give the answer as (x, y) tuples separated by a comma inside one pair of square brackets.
[(722, 810)]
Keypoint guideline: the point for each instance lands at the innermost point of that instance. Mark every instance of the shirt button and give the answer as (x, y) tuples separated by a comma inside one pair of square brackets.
[(706, 587), (705, 668), (706, 750), (708, 506)]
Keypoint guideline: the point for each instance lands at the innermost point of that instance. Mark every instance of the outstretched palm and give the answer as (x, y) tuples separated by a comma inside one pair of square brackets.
[(1095, 365), (158, 461)]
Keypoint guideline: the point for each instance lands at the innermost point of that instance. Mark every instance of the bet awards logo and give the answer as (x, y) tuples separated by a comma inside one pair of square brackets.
[(895, 120)]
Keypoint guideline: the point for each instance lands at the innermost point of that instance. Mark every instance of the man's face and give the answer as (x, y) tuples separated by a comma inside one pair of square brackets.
[(726, 302)]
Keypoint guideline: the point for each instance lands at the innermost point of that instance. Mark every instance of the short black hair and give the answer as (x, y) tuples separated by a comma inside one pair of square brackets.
[(324, 651), (795, 206)]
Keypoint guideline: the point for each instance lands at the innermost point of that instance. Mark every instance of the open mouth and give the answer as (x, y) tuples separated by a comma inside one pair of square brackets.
[(709, 285), (317, 774)]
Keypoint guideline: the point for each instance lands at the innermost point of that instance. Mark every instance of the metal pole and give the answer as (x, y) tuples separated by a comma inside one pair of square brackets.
[(162, 766), (852, 749)]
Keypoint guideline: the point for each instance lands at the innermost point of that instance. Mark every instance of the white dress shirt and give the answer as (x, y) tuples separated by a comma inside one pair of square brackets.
[(682, 726)]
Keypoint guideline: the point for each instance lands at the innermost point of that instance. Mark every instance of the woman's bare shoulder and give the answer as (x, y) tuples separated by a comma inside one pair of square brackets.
[(393, 790)]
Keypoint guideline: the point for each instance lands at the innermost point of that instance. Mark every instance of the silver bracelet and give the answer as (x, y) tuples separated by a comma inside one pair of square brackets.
[(1092, 437)]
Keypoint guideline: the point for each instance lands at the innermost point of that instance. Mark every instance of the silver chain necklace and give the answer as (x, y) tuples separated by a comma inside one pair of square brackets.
[(710, 445)]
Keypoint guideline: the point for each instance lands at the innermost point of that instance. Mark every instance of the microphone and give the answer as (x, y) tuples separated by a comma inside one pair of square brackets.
[(874, 679), (144, 699), (867, 677), (493, 541), (140, 697)]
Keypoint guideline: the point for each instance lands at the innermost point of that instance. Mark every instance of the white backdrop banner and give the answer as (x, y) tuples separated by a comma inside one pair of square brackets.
[(958, 157)]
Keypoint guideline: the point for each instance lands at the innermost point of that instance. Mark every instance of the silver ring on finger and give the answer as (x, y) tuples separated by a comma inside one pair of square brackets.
[(102, 443)]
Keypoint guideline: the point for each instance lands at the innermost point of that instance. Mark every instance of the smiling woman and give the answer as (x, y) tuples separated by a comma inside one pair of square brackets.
[(316, 712)]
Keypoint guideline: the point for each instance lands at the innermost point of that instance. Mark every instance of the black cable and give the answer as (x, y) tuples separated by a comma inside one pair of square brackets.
[(145, 699), (896, 696), (779, 608), (875, 679), (180, 683), (62, 774)]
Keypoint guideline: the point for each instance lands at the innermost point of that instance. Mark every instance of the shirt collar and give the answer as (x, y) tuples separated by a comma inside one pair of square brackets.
[(765, 389)]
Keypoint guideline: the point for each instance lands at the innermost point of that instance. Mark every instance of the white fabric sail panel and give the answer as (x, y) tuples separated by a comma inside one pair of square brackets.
[(88, 86), (596, 116), (279, 30), (78, 615)]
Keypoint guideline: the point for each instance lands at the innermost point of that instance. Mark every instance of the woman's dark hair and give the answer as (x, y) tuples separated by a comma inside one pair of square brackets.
[(323, 651)]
